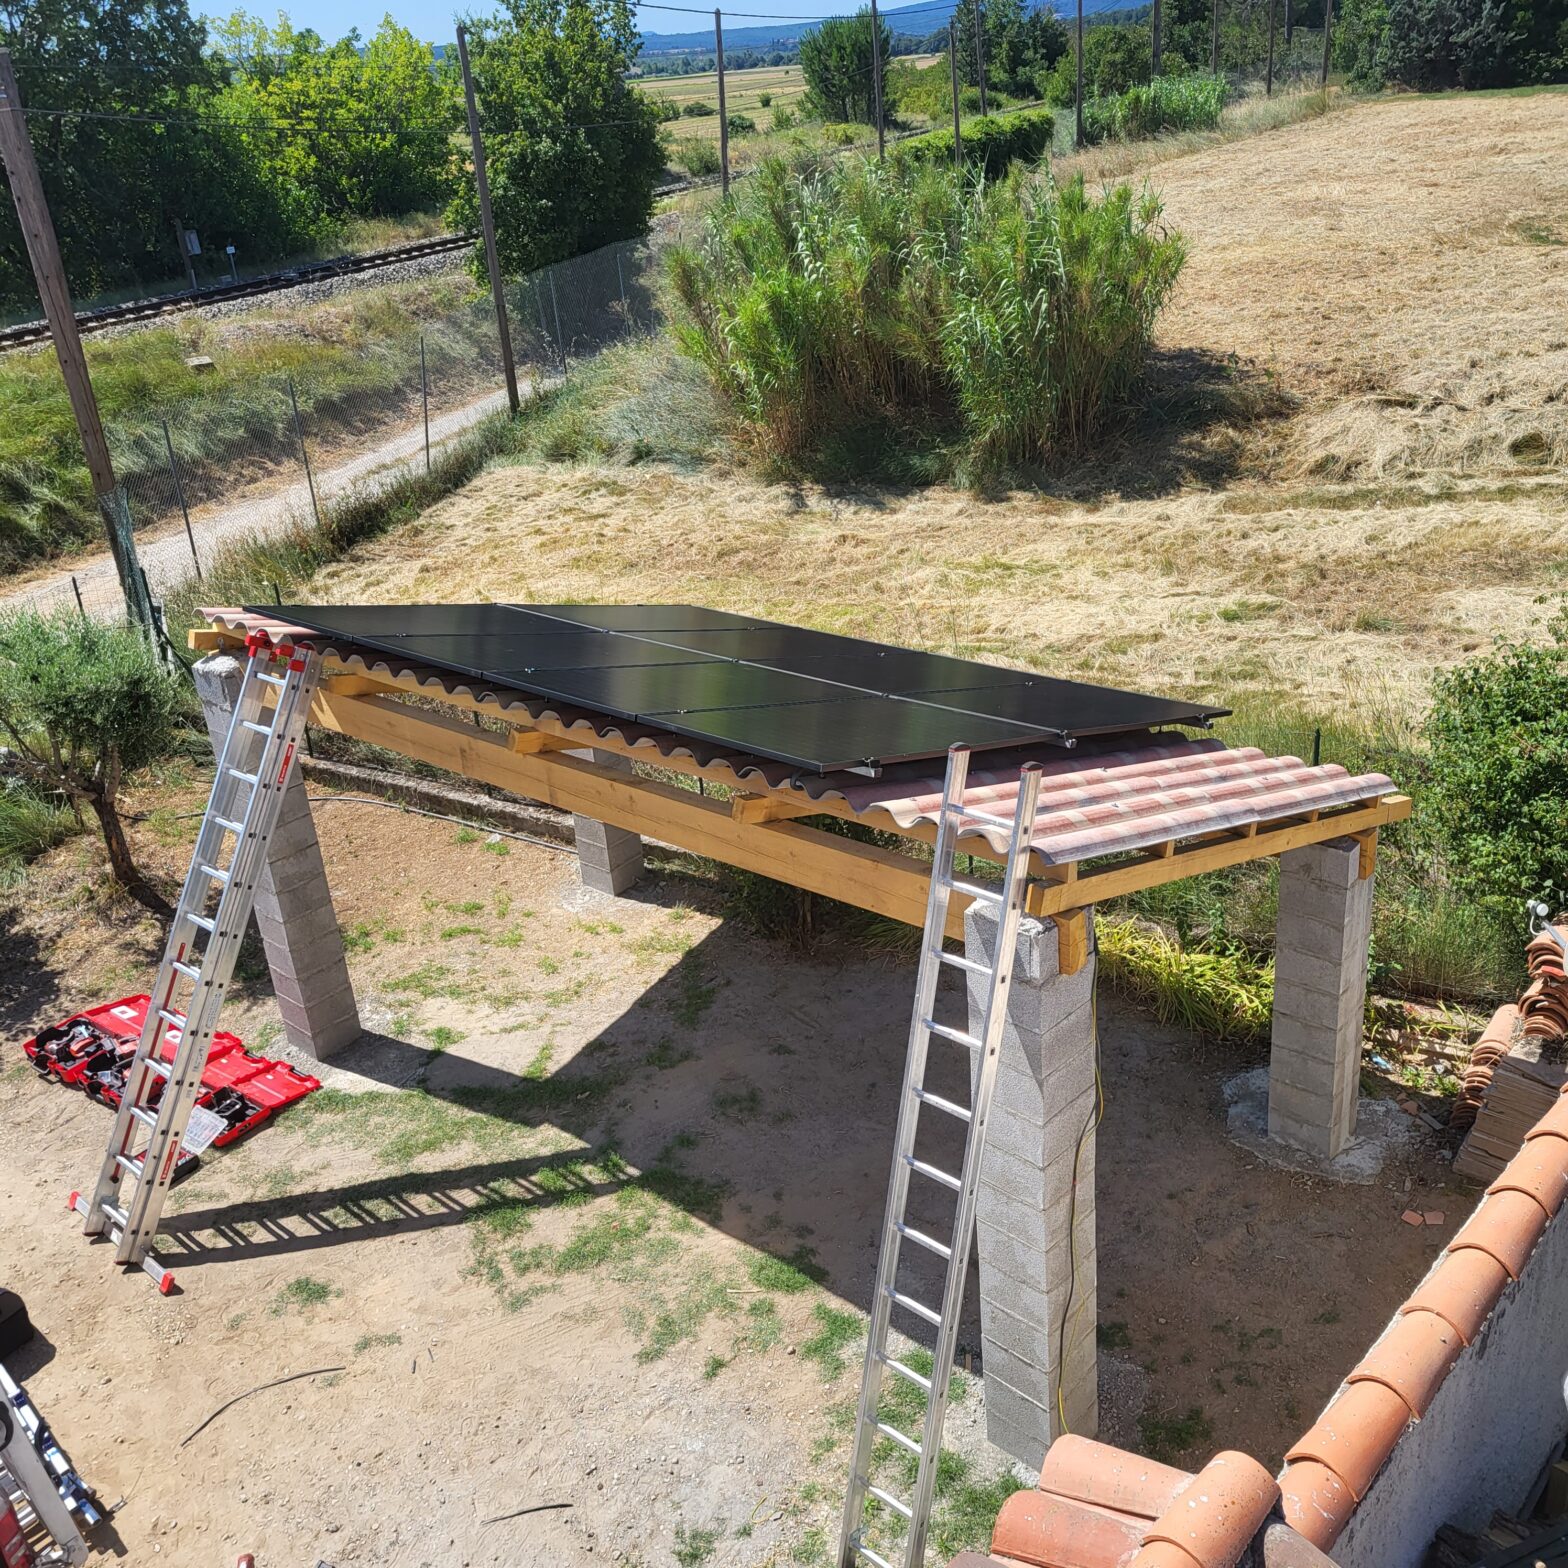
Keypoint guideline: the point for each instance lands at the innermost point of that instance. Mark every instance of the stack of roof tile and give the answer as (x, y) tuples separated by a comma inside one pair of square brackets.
[(1545, 1001), (1495, 1043)]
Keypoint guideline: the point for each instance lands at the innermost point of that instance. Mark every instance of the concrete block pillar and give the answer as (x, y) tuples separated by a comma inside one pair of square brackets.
[(299, 927), (1035, 1232), (1320, 990), (609, 860)]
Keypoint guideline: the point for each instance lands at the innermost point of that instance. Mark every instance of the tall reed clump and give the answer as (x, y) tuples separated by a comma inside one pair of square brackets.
[(1005, 320), (1168, 103)]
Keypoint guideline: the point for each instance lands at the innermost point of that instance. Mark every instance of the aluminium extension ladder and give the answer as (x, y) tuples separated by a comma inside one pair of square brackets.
[(150, 1126), (983, 1050)]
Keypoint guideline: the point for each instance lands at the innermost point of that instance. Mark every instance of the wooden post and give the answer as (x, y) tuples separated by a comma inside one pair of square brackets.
[(876, 78), (1289, 23), (487, 221), (1328, 39), (54, 294), (724, 115), (952, 61), (185, 254), (980, 54), (1155, 26), (1214, 64), (1268, 80), (1078, 90)]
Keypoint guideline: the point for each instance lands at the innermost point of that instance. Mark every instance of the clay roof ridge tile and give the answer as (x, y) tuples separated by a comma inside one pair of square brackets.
[(1506, 1226), (1217, 1516), (1415, 1354)]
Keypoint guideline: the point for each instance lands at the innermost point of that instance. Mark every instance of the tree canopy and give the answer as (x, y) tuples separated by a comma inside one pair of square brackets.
[(572, 148), (836, 59)]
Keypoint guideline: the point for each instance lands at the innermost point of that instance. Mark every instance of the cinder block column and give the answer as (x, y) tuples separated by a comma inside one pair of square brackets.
[(299, 927), (1035, 1226), (608, 859), (1320, 991)]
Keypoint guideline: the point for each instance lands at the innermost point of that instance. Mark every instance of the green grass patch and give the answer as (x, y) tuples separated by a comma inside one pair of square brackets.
[(787, 1276), (1170, 1437), (301, 1294), (368, 1342), (836, 1331)]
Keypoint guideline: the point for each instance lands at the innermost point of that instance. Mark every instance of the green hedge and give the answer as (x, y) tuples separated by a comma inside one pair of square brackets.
[(991, 142), (1182, 103)]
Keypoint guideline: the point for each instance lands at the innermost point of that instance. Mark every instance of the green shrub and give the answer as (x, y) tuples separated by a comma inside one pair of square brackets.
[(913, 297), (741, 125), (1498, 732), (665, 110), (29, 824), (1186, 103), (764, 99), (836, 133), (83, 703), (697, 157), (784, 119), (1226, 993), (991, 144), (697, 109)]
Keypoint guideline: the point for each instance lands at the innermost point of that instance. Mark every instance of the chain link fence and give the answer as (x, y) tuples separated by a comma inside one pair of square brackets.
[(251, 461)]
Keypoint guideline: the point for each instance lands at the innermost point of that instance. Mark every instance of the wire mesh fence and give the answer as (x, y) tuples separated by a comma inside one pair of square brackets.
[(253, 461)]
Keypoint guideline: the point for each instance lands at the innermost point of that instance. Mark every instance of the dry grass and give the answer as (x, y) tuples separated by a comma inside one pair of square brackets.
[(1358, 264)]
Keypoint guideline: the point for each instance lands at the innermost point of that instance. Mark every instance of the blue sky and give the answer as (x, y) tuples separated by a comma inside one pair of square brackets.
[(432, 20)]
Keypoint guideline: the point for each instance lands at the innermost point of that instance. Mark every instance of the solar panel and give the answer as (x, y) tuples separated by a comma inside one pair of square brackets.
[(815, 700)]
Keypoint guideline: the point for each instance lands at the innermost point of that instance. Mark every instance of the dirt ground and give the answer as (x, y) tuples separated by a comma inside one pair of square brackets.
[(586, 1226)]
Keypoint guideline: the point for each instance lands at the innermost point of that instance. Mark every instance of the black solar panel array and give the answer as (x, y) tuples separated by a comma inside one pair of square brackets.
[(812, 699)]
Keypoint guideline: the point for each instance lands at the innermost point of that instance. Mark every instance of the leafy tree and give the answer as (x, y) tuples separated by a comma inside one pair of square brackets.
[(1020, 43), (573, 148), (83, 704), (1498, 733), (1435, 44), (836, 59)]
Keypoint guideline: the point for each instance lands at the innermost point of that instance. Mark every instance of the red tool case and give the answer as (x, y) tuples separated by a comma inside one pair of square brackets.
[(92, 1050)]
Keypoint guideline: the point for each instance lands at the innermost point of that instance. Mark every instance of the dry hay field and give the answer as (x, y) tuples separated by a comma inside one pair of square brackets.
[(743, 90), (1387, 284)]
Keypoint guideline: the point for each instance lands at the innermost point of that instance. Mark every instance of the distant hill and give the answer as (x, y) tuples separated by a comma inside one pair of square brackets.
[(923, 19)]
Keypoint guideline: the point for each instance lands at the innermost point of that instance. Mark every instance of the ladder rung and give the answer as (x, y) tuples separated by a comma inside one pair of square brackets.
[(988, 817), (902, 1509), (176, 1020), (908, 1444), (202, 923), (188, 970), (920, 1239), (161, 1067), (142, 1114), (271, 680), (932, 1173), (127, 1163), (117, 1215), (245, 778), (919, 1308), (962, 1112), (968, 965), (907, 1373), (981, 890), (214, 873), (876, 1559), (233, 827), (957, 1036), (258, 729)]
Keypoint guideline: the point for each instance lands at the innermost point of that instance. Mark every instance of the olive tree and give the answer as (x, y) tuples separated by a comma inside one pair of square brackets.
[(83, 704)]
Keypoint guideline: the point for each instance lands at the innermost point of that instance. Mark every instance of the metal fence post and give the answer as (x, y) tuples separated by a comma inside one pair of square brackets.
[(299, 435), (424, 398), (76, 588), (179, 490), (724, 119), (620, 278), (555, 309), (952, 61)]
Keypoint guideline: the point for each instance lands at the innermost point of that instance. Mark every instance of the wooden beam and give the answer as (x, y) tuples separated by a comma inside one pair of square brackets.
[(768, 808), (204, 639), (1072, 941), (865, 875), (1155, 869), (1367, 862)]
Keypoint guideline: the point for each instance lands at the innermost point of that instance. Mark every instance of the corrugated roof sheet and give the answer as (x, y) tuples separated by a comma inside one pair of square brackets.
[(1099, 799)]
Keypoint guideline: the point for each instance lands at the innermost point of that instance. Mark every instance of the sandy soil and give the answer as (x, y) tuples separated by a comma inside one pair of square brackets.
[(523, 1321)]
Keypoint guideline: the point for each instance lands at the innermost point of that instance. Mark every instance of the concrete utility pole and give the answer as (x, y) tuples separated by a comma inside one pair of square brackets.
[(1078, 93), (952, 61), (724, 115), (54, 294), (1155, 27), (876, 78), (487, 222), (980, 54)]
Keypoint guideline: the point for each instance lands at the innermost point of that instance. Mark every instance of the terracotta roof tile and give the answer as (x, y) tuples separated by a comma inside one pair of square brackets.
[(1315, 1501), (1219, 1512), (1090, 1472), (1412, 1358), (1462, 1290), (1506, 1227), (1540, 1169), (1053, 1532), (1164, 1554), (1356, 1434), (1552, 1125)]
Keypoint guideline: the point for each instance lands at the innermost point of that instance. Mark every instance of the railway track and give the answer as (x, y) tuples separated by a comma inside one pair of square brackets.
[(172, 304)]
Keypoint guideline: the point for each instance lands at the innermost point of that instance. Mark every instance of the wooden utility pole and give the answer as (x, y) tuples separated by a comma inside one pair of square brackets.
[(487, 222), (1268, 80), (980, 54), (1078, 90), (1328, 39), (1288, 23), (185, 253), (952, 61), (54, 294), (1156, 28), (876, 78), (724, 115), (1214, 65)]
